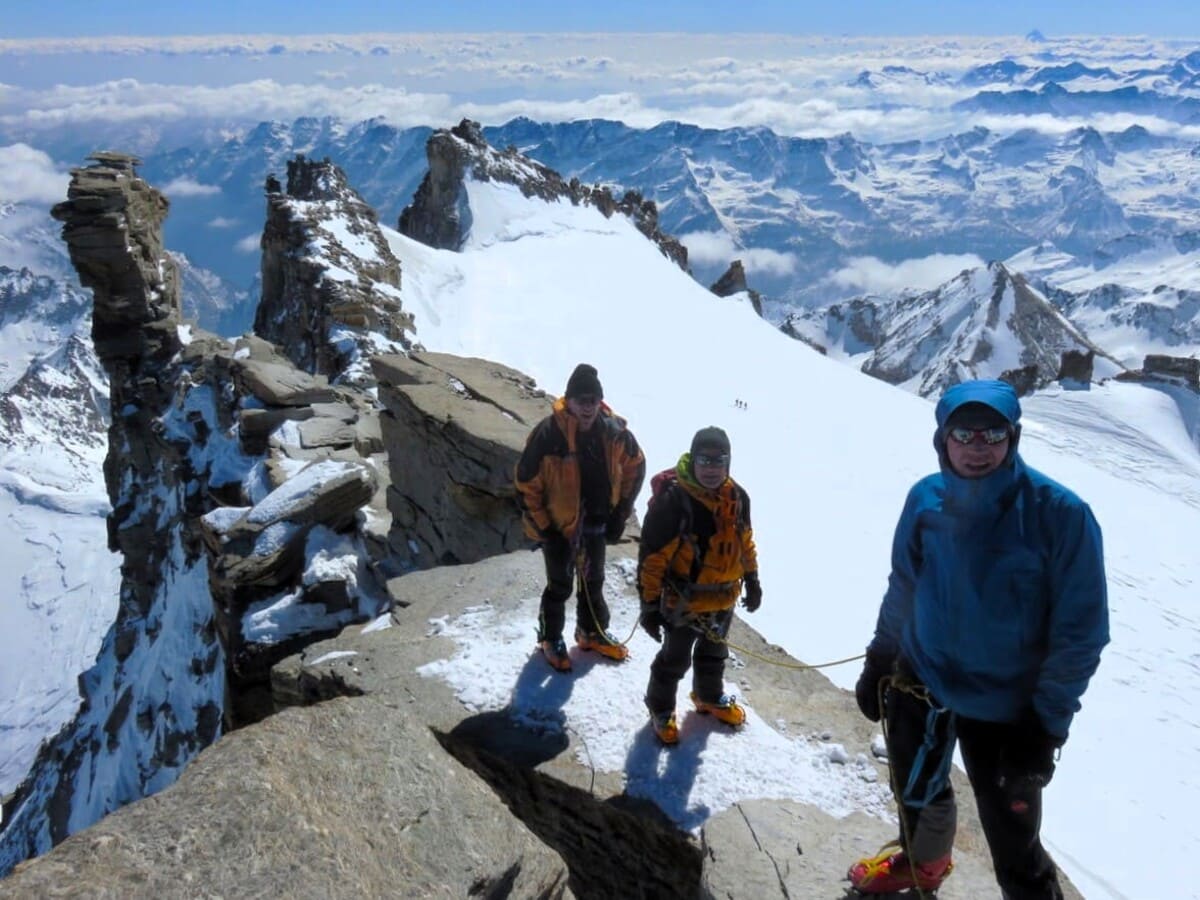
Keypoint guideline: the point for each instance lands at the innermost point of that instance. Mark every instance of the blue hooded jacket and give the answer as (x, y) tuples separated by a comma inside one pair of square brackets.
[(997, 597)]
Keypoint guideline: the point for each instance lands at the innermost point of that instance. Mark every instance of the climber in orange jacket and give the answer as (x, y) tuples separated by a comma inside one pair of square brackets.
[(577, 478)]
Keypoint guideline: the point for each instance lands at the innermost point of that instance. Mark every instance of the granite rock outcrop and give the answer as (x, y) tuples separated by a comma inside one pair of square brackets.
[(252, 492), (733, 282), (330, 282), (440, 214)]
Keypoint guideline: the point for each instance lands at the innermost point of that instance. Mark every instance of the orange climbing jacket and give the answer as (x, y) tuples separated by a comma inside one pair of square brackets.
[(548, 478)]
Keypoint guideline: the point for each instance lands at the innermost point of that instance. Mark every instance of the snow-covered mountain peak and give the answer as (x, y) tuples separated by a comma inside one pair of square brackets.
[(985, 322)]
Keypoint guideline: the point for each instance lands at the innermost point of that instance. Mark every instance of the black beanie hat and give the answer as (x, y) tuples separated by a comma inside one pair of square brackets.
[(712, 439), (583, 381)]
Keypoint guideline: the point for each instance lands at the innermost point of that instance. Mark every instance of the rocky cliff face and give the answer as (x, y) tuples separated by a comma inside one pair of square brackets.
[(454, 429), (441, 217), (331, 285), (250, 495), (1181, 371), (155, 696)]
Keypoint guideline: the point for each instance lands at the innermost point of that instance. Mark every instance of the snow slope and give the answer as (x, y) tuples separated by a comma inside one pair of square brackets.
[(828, 455)]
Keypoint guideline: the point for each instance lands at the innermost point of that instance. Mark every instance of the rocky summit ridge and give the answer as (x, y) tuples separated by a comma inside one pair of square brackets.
[(330, 283), (241, 732), (441, 217), (249, 493)]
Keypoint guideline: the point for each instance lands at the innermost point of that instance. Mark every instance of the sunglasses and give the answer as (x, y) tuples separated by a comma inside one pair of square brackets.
[(586, 399), (995, 435), (711, 459)]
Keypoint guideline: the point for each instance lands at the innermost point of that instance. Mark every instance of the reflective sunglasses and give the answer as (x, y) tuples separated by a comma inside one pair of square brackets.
[(711, 459), (994, 435)]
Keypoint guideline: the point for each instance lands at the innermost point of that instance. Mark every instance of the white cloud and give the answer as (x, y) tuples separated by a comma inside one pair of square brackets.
[(770, 262), (29, 176), (222, 222), (249, 244), (796, 85), (717, 248), (1102, 122), (871, 275), (189, 187), (129, 100)]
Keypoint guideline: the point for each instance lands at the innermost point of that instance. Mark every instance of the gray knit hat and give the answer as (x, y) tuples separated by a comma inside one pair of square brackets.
[(710, 440)]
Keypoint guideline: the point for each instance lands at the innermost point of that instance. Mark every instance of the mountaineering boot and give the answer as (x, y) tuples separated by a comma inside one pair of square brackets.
[(890, 871), (555, 652), (726, 709), (603, 643), (665, 727)]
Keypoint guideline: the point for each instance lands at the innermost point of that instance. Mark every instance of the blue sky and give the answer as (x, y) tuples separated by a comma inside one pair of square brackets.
[(75, 18)]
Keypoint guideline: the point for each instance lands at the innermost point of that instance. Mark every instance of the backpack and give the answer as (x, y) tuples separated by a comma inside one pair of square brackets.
[(661, 485)]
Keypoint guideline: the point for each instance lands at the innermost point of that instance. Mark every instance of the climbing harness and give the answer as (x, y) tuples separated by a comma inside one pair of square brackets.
[(680, 612), (676, 609)]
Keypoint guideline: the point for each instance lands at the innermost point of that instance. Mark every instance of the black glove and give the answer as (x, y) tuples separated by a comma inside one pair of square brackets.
[(753, 599), (877, 667), (615, 526), (652, 621), (1026, 762)]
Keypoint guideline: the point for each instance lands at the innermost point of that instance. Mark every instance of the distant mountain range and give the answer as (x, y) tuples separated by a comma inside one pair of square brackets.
[(1063, 204), (813, 205)]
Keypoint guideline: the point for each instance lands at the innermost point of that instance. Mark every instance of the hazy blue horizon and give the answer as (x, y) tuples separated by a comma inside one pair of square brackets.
[(82, 18)]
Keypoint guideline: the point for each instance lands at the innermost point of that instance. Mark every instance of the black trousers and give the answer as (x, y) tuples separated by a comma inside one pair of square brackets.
[(561, 559), (683, 647), (1024, 870)]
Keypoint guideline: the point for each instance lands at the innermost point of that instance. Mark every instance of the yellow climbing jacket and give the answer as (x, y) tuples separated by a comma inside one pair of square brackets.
[(697, 544)]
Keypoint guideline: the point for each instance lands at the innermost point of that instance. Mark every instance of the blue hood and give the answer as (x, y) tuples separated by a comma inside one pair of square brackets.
[(999, 395)]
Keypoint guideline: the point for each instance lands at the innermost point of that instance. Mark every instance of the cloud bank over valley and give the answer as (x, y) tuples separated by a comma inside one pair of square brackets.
[(877, 89)]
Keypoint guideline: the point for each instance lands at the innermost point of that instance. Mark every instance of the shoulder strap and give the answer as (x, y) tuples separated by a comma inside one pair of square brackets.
[(684, 499), (676, 492)]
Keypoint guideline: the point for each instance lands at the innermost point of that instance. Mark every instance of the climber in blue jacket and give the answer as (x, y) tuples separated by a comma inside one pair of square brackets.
[(992, 625)]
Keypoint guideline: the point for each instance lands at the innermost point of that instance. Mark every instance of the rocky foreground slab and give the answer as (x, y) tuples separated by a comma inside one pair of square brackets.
[(379, 782)]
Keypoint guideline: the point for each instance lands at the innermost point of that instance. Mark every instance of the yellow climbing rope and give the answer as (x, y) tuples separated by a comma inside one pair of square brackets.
[(718, 639), (581, 568)]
